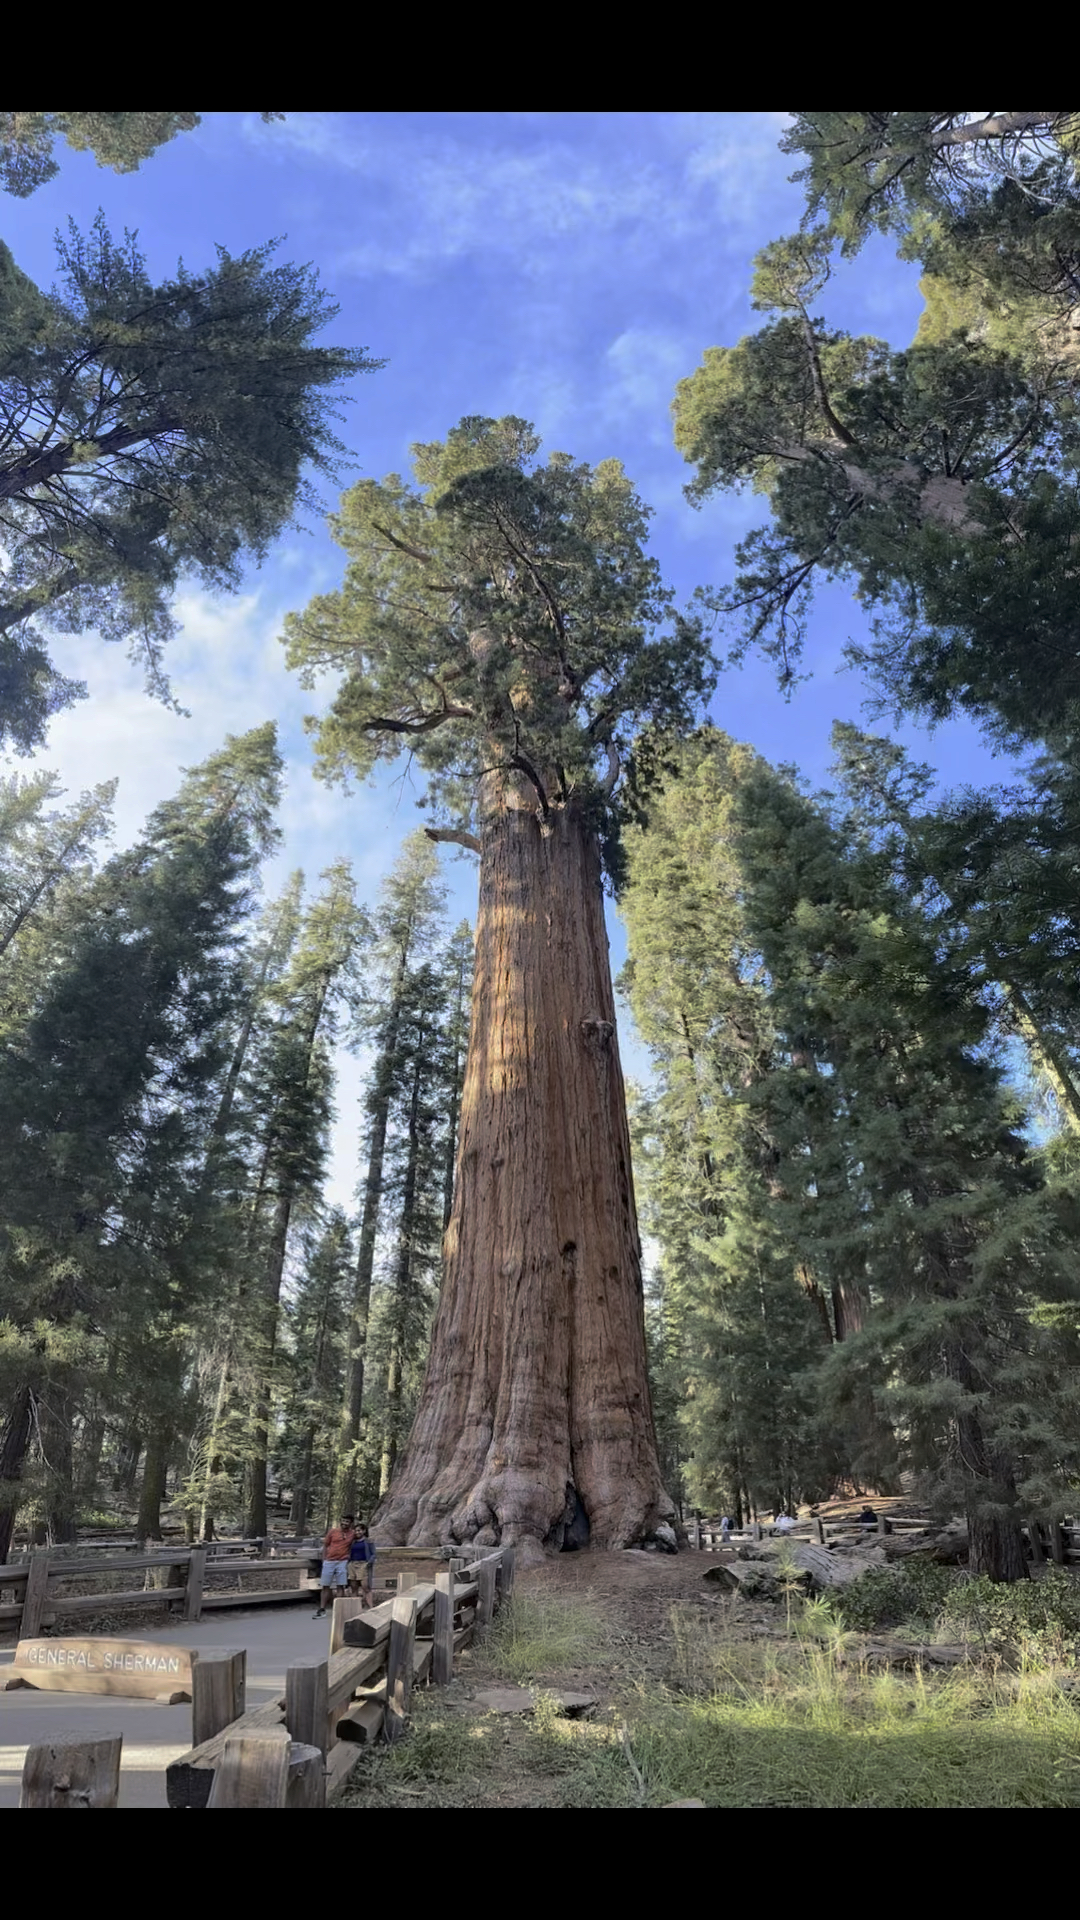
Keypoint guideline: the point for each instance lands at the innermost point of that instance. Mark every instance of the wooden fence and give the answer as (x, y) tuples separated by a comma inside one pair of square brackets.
[(1059, 1543), (297, 1750), (334, 1704), (36, 1601)]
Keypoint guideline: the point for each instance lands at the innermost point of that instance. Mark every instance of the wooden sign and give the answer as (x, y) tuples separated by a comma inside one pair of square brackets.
[(142, 1669)]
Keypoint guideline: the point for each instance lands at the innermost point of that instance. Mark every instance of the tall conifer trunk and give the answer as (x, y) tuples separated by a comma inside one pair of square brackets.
[(537, 1373)]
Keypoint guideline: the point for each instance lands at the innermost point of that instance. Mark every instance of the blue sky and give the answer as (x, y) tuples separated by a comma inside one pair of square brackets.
[(569, 268)]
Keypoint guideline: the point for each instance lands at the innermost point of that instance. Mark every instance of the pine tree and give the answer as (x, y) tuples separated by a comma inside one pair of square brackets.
[(745, 1312), (940, 480), (148, 432), (298, 1083), (105, 1094), (941, 1206), (405, 925), (423, 1080), (318, 1316)]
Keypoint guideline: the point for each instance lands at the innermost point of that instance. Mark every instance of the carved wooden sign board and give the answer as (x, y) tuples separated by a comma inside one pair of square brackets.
[(141, 1669)]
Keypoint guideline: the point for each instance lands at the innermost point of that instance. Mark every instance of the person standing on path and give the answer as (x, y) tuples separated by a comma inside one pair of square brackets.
[(337, 1547), (362, 1565)]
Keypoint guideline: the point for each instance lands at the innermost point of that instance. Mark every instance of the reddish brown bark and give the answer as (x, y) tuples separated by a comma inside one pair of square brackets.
[(537, 1375)]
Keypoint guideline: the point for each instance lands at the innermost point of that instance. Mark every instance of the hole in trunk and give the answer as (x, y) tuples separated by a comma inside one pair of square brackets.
[(575, 1522)]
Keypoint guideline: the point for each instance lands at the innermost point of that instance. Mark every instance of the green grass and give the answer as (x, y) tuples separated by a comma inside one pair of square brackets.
[(788, 1721), (801, 1723), (539, 1634)]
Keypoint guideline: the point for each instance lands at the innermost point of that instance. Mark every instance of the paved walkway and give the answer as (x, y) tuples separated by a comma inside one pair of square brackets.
[(154, 1735)]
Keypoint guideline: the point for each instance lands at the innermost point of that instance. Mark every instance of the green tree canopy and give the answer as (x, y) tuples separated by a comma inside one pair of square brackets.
[(121, 141), (148, 431), (498, 617)]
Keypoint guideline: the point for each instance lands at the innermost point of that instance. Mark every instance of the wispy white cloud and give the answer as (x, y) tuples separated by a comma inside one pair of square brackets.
[(440, 195)]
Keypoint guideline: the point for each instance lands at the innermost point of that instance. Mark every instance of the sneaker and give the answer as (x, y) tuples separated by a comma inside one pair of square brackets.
[(321, 1615)]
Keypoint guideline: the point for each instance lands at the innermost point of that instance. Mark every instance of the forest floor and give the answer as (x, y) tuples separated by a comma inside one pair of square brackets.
[(710, 1697)]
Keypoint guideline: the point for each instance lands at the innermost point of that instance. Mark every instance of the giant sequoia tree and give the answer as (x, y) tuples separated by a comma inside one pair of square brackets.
[(502, 622)]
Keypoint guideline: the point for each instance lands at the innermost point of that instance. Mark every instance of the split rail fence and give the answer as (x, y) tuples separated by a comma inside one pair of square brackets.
[(297, 1750)]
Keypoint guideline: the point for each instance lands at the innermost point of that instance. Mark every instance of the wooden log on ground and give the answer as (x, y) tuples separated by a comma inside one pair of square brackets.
[(399, 1664), (946, 1549), (253, 1770), (189, 1778), (307, 1702), (37, 1586), (218, 1691), (898, 1653), (71, 1771)]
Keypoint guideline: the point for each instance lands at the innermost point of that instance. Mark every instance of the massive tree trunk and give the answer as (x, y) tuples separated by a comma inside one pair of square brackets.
[(537, 1379)]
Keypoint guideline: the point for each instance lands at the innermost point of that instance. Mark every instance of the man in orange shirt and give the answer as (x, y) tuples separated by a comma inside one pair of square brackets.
[(337, 1546)]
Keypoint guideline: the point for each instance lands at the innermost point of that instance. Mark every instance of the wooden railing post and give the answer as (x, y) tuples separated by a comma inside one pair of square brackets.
[(34, 1594), (196, 1580), (442, 1658), (307, 1777), (307, 1712), (253, 1770), (346, 1606), (399, 1664), (218, 1691), (69, 1771), (485, 1597)]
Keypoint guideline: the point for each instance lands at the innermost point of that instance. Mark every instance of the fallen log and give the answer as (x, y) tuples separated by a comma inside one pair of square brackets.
[(823, 1567), (898, 1653)]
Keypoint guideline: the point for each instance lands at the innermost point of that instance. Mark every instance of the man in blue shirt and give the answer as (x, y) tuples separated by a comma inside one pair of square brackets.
[(362, 1564)]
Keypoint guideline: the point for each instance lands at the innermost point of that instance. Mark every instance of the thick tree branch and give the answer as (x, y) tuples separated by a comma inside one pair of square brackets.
[(414, 553), (997, 126), (455, 834), (32, 473), (14, 611), (846, 439), (385, 724), (522, 765)]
